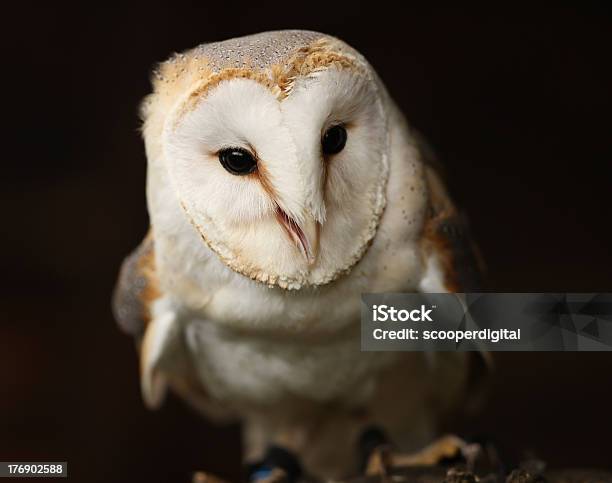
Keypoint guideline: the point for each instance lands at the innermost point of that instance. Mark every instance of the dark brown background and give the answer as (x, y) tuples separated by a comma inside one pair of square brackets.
[(517, 104)]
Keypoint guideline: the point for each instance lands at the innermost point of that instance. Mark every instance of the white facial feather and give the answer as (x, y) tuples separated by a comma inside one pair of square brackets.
[(238, 113), (237, 215), (351, 195)]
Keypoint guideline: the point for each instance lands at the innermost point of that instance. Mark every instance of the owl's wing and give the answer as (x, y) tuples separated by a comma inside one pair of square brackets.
[(136, 289), (133, 300), (453, 262), (141, 310)]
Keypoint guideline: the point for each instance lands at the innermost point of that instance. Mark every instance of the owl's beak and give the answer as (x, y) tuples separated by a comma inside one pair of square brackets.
[(305, 235)]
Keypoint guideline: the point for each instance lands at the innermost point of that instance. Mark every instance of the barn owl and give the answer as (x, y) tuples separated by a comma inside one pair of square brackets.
[(283, 182)]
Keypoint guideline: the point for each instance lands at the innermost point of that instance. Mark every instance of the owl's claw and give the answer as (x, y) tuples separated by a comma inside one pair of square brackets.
[(373, 444), (383, 458), (201, 477)]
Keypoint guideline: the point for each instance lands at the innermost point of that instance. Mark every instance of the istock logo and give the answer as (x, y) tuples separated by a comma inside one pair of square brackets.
[(383, 313)]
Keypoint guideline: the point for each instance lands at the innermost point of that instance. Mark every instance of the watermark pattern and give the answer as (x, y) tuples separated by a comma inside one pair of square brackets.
[(486, 321)]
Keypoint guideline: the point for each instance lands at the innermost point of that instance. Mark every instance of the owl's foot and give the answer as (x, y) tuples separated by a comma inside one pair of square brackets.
[(278, 465), (380, 456), (201, 477)]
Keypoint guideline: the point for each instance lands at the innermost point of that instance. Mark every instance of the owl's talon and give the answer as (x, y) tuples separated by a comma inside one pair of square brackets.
[(202, 477), (382, 459), (373, 448), (446, 447)]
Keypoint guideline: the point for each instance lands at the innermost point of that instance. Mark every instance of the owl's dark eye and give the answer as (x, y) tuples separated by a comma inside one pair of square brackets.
[(334, 139), (237, 161)]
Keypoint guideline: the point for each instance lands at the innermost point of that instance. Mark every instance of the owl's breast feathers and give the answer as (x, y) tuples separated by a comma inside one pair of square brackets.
[(136, 289)]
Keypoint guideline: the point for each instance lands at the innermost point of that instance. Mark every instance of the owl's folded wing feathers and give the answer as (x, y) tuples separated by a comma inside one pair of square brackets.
[(163, 361), (136, 289), (447, 238), (458, 268)]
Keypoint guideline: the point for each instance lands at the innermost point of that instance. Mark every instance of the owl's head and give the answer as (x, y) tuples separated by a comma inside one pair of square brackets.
[(275, 146)]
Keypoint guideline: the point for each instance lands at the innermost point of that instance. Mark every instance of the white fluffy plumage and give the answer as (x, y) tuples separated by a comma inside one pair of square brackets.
[(247, 322)]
